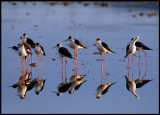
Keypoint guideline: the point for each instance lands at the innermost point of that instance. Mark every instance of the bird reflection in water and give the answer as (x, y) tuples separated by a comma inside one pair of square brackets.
[(62, 88), (141, 82), (77, 77), (39, 86), (103, 89), (131, 86), (22, 90), (74, 84)]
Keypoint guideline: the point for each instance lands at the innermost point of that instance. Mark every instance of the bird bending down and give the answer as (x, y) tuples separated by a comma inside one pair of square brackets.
[(140, 82), (39, 50), (63, 52), (75, 44), (131, 86), (141, 47), (131, 48), (102, 89)]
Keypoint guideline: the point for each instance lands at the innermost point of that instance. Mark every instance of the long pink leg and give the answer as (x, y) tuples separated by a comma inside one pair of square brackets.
[(139, 65), (23, 64), (145, 72), (41, 67), (105, 64), (37, 67), (26, 67), (106, 79), (74, 63), (145, 56), (132, 67), (105, 67), (129, 66), (62, 69), (65, 70), (102, 69), (31, 63)]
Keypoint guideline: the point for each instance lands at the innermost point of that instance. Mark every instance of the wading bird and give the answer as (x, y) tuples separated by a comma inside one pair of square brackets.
[(75, 44), (63, 52)]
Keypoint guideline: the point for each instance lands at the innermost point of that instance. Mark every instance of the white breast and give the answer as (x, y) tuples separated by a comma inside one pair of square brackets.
[(22, 52), (38, 51)]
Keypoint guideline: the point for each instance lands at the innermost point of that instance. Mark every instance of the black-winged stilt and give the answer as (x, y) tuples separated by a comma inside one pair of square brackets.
[(27, 40), (102, 89), (141, 47), (131, 49), (28, 43), (75, 44), (63, 52), (103, 47), (131, 86), (39, 50), (23, 54)]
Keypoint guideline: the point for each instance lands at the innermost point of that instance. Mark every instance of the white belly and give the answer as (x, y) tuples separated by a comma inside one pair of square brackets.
[(38, 51), (132, 49), (22, 52)]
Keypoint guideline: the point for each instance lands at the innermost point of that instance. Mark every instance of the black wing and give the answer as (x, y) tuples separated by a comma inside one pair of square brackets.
[(42, 50), (139, 85), (106, 47), (65, 52), (127, 48), (78, 43), (31, 42), (127, 82), (140, 44), (106, 89), (65, 87), (43, 85), (78, 86)]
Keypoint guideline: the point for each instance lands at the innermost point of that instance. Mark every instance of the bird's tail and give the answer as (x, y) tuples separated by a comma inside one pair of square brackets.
[(114, 52), (126, 56), (135, 95)]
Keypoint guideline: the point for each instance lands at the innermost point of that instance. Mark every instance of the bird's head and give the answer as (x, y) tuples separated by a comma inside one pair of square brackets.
[(98, 40), (98, 95), (37, 44), (71, 91), (70, 38), (25, 34)]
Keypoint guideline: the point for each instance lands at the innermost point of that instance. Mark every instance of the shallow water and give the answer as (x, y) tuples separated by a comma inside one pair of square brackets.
[(50, 25)]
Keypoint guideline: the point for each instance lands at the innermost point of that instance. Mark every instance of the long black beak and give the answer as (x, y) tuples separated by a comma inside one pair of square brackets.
[(65, 40), (54, 47)]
